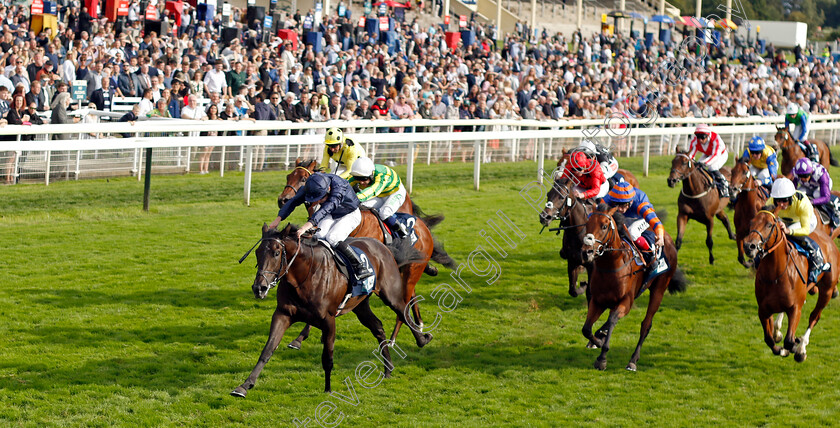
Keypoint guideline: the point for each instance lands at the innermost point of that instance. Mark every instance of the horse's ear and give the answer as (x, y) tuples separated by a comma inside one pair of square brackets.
[(287, 229), (602, 207), (612, 210), (298, 161), (680, 151), (264, 228)]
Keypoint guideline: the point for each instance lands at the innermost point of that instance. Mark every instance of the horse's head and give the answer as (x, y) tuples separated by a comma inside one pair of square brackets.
[(681, 167), (601, 233), (740, 177), (783, 137), (272, 258), (296, 179), (559, 202), (765, 234)]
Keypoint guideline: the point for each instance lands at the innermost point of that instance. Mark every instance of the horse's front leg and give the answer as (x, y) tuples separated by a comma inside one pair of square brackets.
[(592, 314), (601, 361), (709, 242), (573, 271), (295, 344), (767, 324), (328, 338), (682, 220), (721, 215), (279, 323)]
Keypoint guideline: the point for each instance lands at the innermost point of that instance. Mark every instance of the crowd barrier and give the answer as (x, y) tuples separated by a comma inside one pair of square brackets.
[(73, 151)]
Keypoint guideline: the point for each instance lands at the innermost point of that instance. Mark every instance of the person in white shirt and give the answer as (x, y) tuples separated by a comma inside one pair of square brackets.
[(146, 104), (192, 110), (214, 80)]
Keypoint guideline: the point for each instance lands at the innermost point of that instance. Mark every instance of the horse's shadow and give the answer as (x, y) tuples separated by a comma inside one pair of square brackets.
[(196, 297)]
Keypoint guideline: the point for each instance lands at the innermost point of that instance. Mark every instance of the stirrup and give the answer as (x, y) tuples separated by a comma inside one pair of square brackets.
[(344, 302)]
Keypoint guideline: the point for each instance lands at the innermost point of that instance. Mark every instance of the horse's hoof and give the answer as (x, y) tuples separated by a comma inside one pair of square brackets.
[(591, 345), (425, 341), (777, 336), (574, 292), (784, 353), (430, 270), (711, 260), (239, 392), (631, 367), (799, 357), (601, 364), (835, 294), (812, 291), (294, 345)]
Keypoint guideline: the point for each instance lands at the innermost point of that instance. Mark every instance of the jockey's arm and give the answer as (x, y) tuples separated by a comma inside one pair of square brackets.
[(646, 211), (802, 210), (692, 148), (598, 179), (288, 208), (825, 191), (325, 158), (773, 165)]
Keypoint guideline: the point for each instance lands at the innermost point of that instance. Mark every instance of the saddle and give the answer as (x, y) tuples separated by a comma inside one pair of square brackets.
[(358, 288), (387, 237)]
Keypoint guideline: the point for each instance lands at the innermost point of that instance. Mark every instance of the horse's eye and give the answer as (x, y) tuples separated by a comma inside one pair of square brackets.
[(276, 254), (303, 180), (549, 205), (603, 227)]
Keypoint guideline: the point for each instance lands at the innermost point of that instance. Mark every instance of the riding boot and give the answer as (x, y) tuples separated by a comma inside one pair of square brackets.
[(722, 184), (359, 268), (396, 226), (815, 153), (816, 261)]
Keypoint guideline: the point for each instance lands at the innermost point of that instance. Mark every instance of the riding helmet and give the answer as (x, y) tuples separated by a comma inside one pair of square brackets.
[(803, 166), (782, 188), (621, 193), (316, 188), (580, 162), (362, 167), (702, 129), (334, 136), (756, 144), (792, 109)]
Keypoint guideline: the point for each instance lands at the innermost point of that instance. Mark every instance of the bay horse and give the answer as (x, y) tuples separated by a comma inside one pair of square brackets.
[(561, 204), (699, 199), (791, 152), (617, 281), (370, 227), (628, 176), (750, 198), (781, 281), (310, 288)]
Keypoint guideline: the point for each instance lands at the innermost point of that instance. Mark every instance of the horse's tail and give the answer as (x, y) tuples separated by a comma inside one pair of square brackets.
[(430, 220), (831, 159), (405, 253), (440, 255), (679, 282)]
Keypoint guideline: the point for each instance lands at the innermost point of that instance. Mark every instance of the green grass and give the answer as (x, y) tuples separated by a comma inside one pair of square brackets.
[(111, 316)]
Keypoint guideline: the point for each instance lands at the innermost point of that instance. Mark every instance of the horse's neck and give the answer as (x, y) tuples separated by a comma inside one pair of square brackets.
[(578, 216), (313, 259), (696, 182), (614, 259), (792, 152)]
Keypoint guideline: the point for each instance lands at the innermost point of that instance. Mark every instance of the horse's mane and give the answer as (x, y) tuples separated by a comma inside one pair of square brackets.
[(308, 162)]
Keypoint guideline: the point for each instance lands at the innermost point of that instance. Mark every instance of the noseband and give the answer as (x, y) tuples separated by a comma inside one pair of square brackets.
[(602, 245), (277, 274)]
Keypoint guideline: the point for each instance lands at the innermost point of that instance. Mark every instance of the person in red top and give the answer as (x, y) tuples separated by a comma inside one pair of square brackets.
[(714, 155), (381, 107), (588, 175)]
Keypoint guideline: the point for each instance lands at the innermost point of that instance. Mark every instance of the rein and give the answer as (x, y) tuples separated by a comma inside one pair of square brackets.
[(763, 253), (693, 168)]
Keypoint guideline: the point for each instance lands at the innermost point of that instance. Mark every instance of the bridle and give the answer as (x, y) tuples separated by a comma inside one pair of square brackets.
[(691, 168), (740, 187), (602, 248), (762, 240), (277, 274), (308, 173)]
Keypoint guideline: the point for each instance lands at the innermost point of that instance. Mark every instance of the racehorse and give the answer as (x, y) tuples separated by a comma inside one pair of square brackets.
[(628, 176), (617, 281), (698, 200), (781, 282), (371, 227), (791, 152), (749, 199), (562, 205), (310, 288)]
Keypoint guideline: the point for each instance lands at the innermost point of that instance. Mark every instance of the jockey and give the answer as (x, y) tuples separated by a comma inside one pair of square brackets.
[(588, 177), (711, 145), (798, 221), (337, 214), (379, 187), (342, 150), (794, 115), (608, 162), (813, 179), (762, 160), (640, 218)]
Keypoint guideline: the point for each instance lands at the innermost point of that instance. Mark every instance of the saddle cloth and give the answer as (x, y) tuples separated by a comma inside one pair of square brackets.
[(408, 221), (358, 288)]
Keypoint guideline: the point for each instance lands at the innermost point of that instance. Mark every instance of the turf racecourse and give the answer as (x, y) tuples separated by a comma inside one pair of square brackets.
[(115, 317)]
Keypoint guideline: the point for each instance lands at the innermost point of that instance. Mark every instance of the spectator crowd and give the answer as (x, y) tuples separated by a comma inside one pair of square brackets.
[(193, 72)]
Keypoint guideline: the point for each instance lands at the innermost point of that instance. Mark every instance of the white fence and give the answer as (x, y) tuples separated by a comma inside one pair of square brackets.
[(96, 150)]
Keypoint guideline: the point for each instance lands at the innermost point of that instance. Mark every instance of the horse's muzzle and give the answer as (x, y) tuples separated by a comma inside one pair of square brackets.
[(587, 254), (672, 182), (260, 291), (751, 249), (545, 219), (281, 202)]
